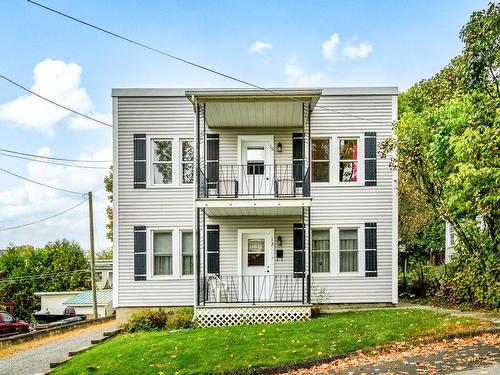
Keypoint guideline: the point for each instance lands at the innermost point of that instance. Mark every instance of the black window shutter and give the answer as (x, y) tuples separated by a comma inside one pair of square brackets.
[(139, 253), (213, 247), (298, 250), (139, 161), (298, 157), (212, 160), (370, 159), (370, 249)]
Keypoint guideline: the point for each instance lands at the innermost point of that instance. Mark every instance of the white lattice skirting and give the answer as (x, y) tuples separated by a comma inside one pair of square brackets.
[(217, 316)]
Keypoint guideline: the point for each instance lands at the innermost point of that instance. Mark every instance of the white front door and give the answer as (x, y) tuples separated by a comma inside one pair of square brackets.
[(256, 166), (257, 264)]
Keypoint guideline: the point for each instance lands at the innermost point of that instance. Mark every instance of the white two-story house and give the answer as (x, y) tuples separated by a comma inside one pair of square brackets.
[(253, 205)]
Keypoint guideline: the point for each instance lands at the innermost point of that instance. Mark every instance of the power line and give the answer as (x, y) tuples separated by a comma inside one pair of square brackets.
[(196, 65), (53, 158), (43, 275), (52, 162), (53, 102), (44, 219), (40, 183)]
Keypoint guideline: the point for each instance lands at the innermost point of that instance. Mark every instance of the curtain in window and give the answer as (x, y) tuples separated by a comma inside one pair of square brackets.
[(321, 251), (162, 251), (187, 253), (348, 250)]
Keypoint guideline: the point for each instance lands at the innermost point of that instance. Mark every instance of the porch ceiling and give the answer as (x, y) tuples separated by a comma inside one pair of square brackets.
[(254, 108), (253, 207)]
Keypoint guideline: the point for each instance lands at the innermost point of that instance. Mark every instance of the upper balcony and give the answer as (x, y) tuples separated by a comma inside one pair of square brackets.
[(253, 149)]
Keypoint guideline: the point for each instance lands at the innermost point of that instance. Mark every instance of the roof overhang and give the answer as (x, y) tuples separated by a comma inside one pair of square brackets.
[(272, 108)]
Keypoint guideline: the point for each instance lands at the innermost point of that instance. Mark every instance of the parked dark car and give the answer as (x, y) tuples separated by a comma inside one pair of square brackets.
[(10, 325)]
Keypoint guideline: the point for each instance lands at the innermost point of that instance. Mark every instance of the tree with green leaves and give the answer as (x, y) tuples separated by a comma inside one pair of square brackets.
[(58, 266), (108, 186), (448, 147)]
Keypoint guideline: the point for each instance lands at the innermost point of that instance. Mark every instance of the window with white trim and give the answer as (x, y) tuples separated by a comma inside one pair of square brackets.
[(187, 161), (348, 159), (320, 251), (162, 253), (187, 252), (348, 250), (320, 160), (162, 162)]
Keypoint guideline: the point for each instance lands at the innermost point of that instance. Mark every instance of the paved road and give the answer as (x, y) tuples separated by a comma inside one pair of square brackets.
[(479, 358), (36, 360)]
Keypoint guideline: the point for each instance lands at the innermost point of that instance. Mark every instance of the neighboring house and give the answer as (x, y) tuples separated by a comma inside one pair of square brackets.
[(81, 301), (104, 273), (450, 240), (251, 205)]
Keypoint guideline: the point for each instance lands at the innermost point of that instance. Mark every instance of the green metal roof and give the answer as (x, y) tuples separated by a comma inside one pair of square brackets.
[(104, 297)]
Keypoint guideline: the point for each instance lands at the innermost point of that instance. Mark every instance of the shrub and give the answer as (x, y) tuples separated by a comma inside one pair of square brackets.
[(423, 280), (149, 320), (161, 319), (182, 318)]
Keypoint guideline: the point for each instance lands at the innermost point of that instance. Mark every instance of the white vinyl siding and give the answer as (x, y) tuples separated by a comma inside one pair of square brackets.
[(334, 205), (349, 205), (169, 207)]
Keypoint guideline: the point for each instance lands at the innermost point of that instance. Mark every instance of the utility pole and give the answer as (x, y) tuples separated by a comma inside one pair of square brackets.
[(92, 255)]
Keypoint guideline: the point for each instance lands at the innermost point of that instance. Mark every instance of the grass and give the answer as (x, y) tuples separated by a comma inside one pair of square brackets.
[(245, 348)]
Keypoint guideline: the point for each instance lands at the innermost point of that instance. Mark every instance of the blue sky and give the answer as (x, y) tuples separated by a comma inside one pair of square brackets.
[(318, 43)]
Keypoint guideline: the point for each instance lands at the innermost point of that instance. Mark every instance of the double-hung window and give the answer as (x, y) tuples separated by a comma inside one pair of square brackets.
[(348, 250), (187, 161), (321, 250), (348, 160), (162, 253), (161, 150), (187, 252), (320, 160)]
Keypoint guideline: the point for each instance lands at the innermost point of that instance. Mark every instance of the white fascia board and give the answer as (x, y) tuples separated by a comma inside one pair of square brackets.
[(228, 92), (260, 202)]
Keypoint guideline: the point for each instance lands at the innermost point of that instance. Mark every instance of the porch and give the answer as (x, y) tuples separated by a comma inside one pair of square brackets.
[(253, 260)]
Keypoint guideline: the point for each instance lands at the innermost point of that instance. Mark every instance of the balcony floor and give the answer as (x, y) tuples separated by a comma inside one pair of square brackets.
[(253, 206)]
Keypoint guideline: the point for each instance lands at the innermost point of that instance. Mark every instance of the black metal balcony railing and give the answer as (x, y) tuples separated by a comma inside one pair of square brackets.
[(254, 179), (253, 289)]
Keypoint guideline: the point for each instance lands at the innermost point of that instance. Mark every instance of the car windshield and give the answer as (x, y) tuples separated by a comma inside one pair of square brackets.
[(6, 317)]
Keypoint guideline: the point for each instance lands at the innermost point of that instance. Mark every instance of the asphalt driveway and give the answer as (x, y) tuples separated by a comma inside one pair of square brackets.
[(29, 359)]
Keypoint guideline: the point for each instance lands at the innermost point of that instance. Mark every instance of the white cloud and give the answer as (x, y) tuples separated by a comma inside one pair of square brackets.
[(259, 47), (55, 80), (28, 202), (361, 50), (329, 47), (82, 123), (298, 77)]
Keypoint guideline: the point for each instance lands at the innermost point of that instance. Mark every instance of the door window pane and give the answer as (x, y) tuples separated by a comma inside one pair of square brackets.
[(162, 253), (255, 160), (321, 251), (320, 160), (162, 161), (348, 160), (187, 253), (256, 252), (348, 248)]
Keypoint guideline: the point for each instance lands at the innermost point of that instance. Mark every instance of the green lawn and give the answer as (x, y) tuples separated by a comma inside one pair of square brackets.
[(216, 350)]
